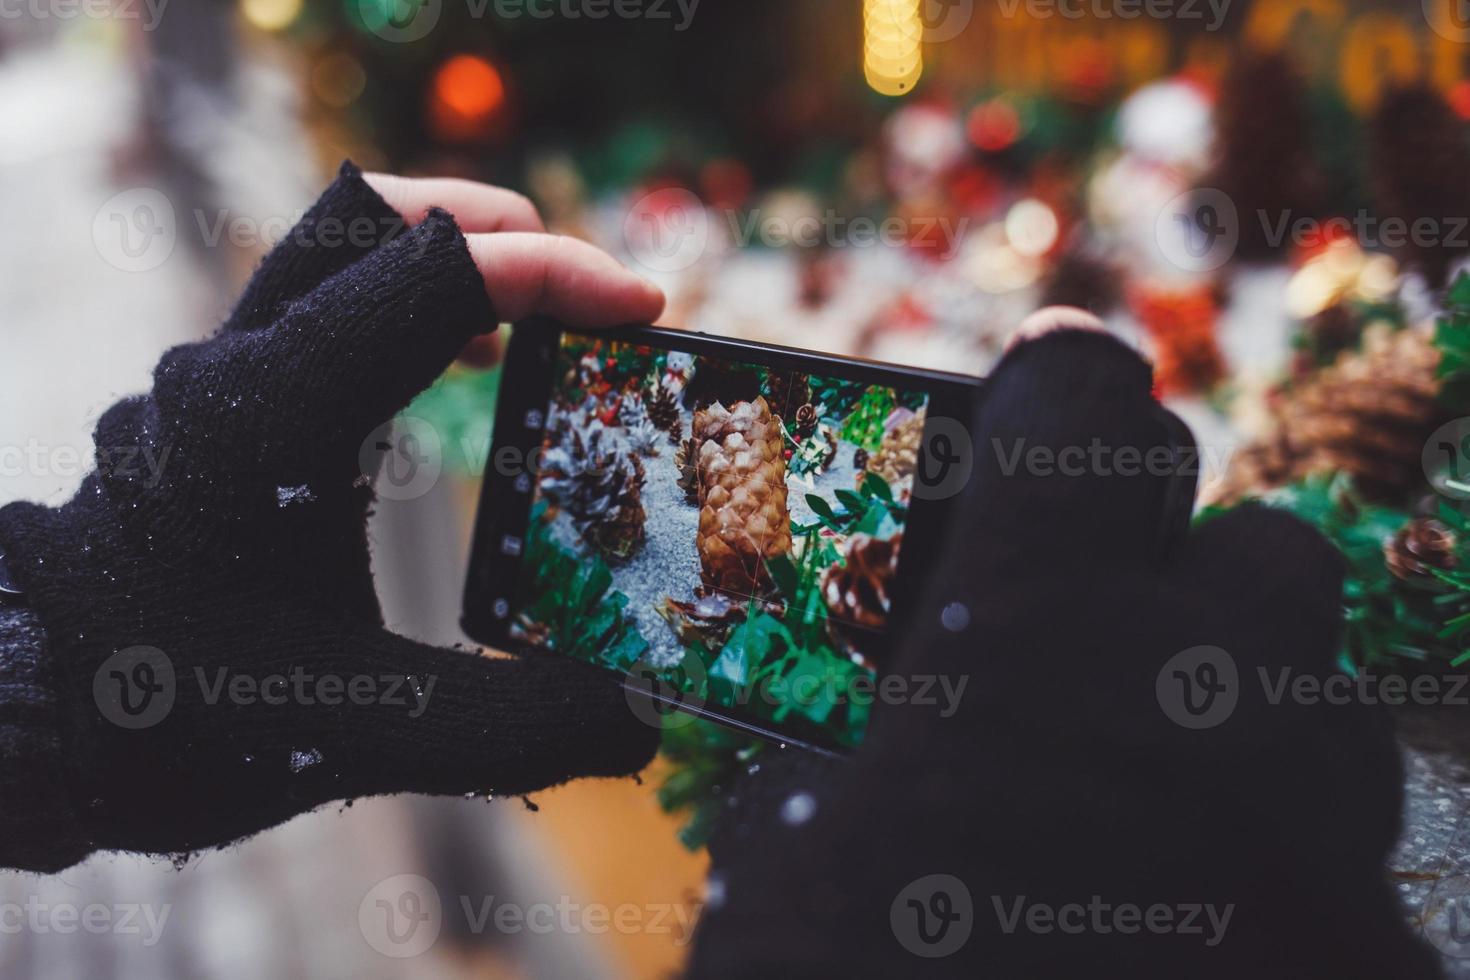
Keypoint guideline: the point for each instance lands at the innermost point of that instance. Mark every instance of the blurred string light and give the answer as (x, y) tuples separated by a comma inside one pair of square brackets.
[(1338, 272), (270, 15), (338, 79), (893, 42), (466, 95), (1032, 227)]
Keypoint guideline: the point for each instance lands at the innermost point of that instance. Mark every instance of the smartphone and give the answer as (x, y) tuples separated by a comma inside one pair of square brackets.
[(739, 530)]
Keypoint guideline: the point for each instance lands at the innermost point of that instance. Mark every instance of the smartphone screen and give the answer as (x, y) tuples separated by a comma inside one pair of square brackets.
[(733, 527)]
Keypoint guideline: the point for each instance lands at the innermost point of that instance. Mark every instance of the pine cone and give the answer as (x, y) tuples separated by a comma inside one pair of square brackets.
[(686, 458), (1419, 162), (599, 485), (806, 421), (1266, 162), (858, 592), (787, 392), (743, 519), (663, 409), (1419, 546), (1367, 415), (897, 457)]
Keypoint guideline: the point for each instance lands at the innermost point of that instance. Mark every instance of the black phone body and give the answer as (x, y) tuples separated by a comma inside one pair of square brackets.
[(529, 555)]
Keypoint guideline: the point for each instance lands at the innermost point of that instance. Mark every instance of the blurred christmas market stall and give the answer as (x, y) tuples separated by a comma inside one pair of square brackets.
[(1270, 199)]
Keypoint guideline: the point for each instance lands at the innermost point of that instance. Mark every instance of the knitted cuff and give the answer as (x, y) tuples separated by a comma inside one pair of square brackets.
[(39, 830)]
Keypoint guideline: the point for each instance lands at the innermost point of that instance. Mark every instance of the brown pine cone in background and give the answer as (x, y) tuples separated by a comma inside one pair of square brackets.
[(663, 410), (806, 422), (1367, 414), (1419, 163), (1419, 546), (787, 392), (897, 457), (858, 592), (1265, 160)]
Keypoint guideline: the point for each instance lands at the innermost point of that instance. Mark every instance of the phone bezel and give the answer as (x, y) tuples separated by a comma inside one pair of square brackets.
[(504, 507)]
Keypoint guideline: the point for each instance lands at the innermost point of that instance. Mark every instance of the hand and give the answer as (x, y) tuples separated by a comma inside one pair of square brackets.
[(219, 656), (1070, 766)]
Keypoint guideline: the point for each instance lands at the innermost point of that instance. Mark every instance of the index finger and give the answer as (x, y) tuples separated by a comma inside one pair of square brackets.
[(571, 280)]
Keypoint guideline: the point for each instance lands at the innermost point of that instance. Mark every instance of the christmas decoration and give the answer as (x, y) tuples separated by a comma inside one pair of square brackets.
[(663, 410), (743, 519), (1366, 415), (897, 458), (1264, 161), (1418, 547), (686, 458), (1182, 325), (864, 427), (641, 433), (858, 592), (806, 422), (599, 484), (787, 392), (1419, 163)]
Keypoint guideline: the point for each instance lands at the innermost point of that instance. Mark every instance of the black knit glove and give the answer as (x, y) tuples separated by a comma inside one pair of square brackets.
[(216, 658), (1070, 773)]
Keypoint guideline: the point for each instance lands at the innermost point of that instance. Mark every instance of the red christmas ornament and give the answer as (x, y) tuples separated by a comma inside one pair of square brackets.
[(1182, 323)]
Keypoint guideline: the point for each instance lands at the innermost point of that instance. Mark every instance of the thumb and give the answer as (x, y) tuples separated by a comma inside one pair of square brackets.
[(496, 724)]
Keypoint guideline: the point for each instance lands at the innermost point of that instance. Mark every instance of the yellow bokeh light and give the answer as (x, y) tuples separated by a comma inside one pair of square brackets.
[(893, 37), (271, 15)]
